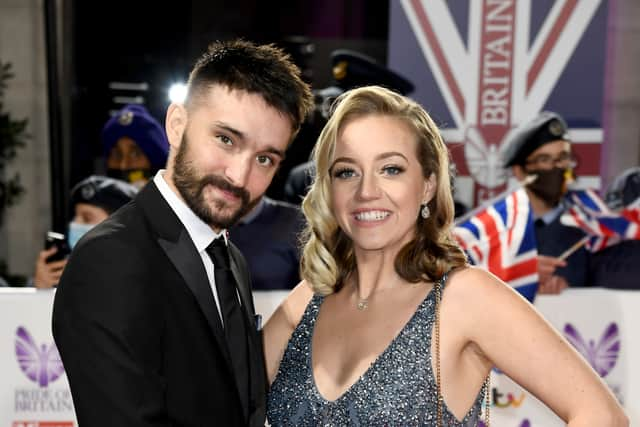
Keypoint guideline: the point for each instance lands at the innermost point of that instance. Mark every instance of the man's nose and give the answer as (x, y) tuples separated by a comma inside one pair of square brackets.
[(238, 170)]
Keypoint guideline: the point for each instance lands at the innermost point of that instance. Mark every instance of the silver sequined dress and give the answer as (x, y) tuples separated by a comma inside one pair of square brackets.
[(398, 389)]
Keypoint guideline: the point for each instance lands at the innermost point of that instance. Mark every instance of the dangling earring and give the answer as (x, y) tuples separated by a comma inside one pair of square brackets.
[(424, 212)]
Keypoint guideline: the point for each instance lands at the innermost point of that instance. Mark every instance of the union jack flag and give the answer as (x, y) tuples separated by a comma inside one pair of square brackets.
[(604, 226), (500, 237), (482, 68)]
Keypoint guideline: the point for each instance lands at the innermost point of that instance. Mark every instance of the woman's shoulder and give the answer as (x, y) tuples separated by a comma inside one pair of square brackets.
[(472, 283), (281, 325), (295, 304)]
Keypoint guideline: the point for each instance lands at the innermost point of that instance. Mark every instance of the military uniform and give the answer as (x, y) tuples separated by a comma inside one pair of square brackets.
[(268, 239), (553, 238)]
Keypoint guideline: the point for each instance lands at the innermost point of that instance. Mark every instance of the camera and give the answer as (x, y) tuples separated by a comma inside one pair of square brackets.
[(60, 241)]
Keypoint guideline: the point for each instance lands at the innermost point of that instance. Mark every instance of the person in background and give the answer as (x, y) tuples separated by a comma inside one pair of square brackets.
[(539, 153), (154, 317), (624, 190), (618, 266), (390, 325), (135, 145), (350, 69), (268, 238), (92, 200)]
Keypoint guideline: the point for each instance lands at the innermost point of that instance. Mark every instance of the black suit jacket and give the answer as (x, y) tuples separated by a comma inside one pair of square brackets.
[(138, 330)]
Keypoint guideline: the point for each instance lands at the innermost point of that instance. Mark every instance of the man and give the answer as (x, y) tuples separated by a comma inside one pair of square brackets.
[(153, 315), (540, 152), (135, 145), (92, 201), (618, 266), (268, 238)]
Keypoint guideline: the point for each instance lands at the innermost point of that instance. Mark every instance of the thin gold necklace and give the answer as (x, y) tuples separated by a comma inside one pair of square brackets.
[(363, 303)]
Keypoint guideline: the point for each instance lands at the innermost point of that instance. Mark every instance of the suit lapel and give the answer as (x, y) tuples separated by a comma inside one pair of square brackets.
[(188, 263), (174, 239), (256, 359), (244, 290)]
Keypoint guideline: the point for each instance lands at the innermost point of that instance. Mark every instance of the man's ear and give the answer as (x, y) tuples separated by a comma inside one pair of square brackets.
[(175, 124), (519, 172)]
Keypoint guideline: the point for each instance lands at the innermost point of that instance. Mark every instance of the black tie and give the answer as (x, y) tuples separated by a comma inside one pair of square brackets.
[(234, 326)]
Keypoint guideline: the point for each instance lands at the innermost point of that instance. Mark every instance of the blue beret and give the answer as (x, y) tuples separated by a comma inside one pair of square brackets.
[(135, 122), (106, 193), (353, 69), (545, 128)]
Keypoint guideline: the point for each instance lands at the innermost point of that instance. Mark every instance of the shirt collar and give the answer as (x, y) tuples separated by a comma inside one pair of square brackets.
[(200, 232), (551, 216)]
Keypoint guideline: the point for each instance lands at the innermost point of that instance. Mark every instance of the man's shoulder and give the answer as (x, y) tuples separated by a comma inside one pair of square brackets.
[(121, 235), (277, 211), (127, 222)]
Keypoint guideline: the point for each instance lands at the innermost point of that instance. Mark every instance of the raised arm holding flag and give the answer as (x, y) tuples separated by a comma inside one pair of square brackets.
[(499, 236), (612, 232), (539, 156)]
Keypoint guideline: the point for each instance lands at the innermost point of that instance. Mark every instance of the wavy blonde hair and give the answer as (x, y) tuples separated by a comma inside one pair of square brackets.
[(328, 257)]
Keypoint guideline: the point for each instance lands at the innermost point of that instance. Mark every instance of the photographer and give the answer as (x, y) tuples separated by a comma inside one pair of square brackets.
[(92, 201)]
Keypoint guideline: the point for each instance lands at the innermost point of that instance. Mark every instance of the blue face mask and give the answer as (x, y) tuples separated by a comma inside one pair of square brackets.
[(76, 231)]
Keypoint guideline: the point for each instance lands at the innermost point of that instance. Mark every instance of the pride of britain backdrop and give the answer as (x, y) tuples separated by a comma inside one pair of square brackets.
[(481, 68)]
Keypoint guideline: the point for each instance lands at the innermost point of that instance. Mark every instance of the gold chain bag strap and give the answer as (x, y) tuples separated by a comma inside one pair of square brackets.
[(486, 386)]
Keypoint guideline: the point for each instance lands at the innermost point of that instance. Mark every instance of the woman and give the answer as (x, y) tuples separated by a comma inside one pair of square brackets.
[(390, 326)]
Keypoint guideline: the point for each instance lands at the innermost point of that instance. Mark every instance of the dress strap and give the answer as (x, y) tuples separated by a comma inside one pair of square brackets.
[(443, 280)]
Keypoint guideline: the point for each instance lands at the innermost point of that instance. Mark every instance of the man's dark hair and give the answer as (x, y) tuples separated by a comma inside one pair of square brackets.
[(261, 69)]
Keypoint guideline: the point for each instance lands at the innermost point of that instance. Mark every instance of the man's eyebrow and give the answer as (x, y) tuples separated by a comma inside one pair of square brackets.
[(241, 135), (275, 151), (230, 129)]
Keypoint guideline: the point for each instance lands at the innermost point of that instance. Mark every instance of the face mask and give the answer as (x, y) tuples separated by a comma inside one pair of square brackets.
[(76, 231), (550, 185), (132, 176)]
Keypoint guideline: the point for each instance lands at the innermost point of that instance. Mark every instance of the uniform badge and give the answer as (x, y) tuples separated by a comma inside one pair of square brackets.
[(556, 128), (88, 192), (126, 118)]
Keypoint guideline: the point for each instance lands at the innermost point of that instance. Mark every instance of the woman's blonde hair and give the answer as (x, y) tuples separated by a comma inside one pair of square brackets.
[(328, 256)]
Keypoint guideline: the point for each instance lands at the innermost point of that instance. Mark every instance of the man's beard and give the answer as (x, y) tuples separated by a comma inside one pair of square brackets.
[(191, 187)]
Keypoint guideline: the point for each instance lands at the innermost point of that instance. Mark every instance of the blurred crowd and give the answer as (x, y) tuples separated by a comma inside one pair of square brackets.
[(538, 155)]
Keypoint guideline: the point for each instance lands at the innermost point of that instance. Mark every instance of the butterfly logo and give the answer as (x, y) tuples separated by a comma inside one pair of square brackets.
[(525, 423), (40, 364), (603, 355)]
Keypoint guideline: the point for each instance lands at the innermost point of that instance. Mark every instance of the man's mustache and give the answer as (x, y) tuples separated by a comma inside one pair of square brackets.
[(224, 185)]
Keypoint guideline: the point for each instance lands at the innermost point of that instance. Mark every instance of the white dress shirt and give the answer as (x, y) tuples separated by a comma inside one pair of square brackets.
[(201, 233)]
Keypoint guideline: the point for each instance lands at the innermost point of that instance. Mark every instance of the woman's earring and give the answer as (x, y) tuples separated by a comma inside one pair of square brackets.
[(424, 212)]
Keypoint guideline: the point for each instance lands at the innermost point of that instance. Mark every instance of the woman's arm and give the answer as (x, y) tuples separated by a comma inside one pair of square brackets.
[(519, 341), (281, 324)]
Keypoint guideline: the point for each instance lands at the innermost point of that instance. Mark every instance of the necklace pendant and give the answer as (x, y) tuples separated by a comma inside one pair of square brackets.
[(363, 304)]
